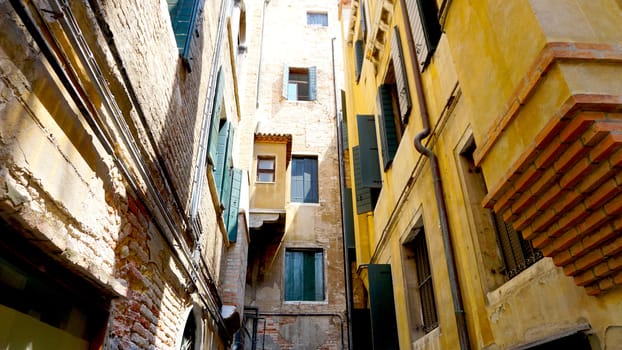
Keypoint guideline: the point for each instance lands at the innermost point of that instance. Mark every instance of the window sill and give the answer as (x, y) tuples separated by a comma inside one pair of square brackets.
[(302, 204), (305, 302), (265, 182), (529, 275)]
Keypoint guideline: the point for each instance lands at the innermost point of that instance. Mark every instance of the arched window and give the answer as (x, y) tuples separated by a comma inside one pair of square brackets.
[(190, 338)]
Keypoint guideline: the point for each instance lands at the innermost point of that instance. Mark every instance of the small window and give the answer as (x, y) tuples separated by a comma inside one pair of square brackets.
[(183, 15), (304, 186), (317, 19), (265, 168), (299, 84), (304, 275), (419, 249)]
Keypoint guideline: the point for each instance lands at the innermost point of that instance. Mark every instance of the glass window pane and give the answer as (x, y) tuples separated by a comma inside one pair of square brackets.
[(265, 163)]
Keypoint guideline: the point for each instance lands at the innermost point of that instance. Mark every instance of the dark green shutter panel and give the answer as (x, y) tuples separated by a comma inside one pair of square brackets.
[(234, 205), (285, 80), (370, 164), (293, 275), (349, 216), (183, 16), (363, 194), (401, 80), (225, 192), (344, 120), (382, 307), (386, 122), (221, 156), (215, 117), (358, 58), (313, 83)]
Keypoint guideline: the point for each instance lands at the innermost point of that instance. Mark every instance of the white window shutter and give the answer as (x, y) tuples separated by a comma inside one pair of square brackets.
[(416, 26), (401, 80)]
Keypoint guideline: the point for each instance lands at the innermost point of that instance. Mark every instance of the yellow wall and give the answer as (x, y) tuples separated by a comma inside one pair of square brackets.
[(269, 195), (481, 64)]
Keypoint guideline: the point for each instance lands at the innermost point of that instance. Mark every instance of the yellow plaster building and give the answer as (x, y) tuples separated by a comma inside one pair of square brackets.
[(481, 148)]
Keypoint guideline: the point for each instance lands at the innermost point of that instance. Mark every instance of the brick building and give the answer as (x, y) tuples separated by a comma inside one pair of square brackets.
[(122, 197), (295, 293), (484, 159)]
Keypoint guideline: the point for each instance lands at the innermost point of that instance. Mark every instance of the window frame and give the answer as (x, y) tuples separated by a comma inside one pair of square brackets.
[(313, 185), (324, 18), (290, 88), (305, 268), (270, 171)]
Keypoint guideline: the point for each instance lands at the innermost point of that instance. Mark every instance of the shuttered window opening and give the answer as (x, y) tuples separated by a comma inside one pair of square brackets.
[(401, 79), (518, 254), (183, 15), (299, 84), (304, 275), (363, 18), (358, 58), (317, 19), (424, 282), (304, 184), (382, 307), (387, 123), (426, 30), (366, 197)]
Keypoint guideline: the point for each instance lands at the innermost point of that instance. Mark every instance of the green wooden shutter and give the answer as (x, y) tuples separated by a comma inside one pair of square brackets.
[(297, 180), (312, 83), (310, 184), (358, 58), (234, 205), (370, 164), (318, 283), (363, 194), (183, 17), (349, 217), (285, 80), (382, 307), (225, 191), (215, 117), (401, 80), (220, 168), (386, 123), (344, 121), (294, 289)]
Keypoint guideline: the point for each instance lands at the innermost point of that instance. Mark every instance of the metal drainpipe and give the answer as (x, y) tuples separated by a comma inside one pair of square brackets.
[(342, 182), (80, 98), (454, 283), (305, 314)]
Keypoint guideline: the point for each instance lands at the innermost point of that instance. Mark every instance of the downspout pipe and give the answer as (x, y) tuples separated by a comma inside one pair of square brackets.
[(342, 183), (454, 283)]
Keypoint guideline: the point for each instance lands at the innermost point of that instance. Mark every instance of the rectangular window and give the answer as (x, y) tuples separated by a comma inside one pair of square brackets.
[(304, 186), (317, 19), (304, 275), (299, 84), (265, 168), (425, 28), (427, 303)]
